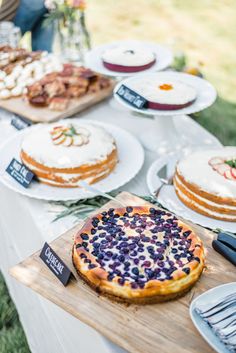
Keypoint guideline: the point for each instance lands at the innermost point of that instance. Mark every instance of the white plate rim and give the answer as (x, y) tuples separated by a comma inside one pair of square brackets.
[(195, 81), (205, 334), (163, 51), (29, 193)]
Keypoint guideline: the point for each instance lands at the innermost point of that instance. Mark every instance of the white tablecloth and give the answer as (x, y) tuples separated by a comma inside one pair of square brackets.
[(25, 224)]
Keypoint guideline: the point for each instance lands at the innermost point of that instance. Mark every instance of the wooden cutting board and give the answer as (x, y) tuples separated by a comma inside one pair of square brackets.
[(44, 115), (163, 328)]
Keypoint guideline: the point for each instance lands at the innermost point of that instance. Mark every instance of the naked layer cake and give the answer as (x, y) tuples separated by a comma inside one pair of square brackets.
[(124, 59), (205, 181), (138, 255), (63, 154), (164, 95)]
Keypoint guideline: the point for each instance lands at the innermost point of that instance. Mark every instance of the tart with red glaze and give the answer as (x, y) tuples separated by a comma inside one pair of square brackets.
[(122, 59), (138, 255), (164, 95)]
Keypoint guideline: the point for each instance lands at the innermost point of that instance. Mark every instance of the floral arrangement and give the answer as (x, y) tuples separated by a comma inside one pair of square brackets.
[(68, 12)]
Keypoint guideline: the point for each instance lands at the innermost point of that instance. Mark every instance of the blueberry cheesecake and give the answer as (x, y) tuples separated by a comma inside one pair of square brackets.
[(139, 255)]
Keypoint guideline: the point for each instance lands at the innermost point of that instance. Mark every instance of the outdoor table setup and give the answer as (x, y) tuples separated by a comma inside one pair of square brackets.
[(133, 274)]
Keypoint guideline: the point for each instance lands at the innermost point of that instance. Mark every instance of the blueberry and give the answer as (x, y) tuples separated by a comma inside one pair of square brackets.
[(84, 244), (111, 211), (140, 250), (134, 285), (159, 257), (134, 253), (110, 276), (147, 263), (100, 256), (136, 261), (87, 261), (93, 231), (90, 266), (104, 219), (142, 257), (109, 254), (152, 210), (104, 213), (174, 250), (129, 209), (187, 233), (186, 270), (78, 246), (121, 281), (121, 258), (84, 236), (135, 271), (150, 249), (96, 245), (177, 256), (197, 259), (126, 274), (82, 256), (150, 273)]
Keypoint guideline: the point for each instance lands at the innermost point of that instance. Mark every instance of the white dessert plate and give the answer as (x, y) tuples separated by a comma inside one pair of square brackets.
[(206, 93), (93, 58), (204, 329), (130, 154), (168, 198)]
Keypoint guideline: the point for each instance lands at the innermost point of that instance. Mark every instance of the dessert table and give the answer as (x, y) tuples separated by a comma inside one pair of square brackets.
[(25, 224)]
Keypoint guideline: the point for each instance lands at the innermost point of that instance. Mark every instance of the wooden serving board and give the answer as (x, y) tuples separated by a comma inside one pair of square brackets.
[(164, 327), (44, 115)]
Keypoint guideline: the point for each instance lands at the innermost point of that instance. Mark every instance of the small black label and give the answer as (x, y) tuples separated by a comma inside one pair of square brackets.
[(20, 123), (55, 264), (20, 173), (132, 97)]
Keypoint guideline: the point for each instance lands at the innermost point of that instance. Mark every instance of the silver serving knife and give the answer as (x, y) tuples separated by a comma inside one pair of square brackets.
[(166, 175)]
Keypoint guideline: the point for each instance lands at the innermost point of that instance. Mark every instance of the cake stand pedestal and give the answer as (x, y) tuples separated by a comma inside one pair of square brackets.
[(163, 138)]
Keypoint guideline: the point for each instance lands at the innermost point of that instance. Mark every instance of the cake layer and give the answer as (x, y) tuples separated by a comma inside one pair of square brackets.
[(128, 57), (203, 205), (72, 176), (201, 178), (122, 68)]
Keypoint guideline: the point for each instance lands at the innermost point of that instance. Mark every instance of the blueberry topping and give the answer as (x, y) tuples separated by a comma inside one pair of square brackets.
[(84, 236), (129, 209), (186, 270)]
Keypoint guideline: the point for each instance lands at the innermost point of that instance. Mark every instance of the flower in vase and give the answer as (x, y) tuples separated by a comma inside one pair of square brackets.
[(77, 4)]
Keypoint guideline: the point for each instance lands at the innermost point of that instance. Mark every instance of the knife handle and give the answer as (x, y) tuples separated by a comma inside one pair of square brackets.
[(227, 239), (225, 251)]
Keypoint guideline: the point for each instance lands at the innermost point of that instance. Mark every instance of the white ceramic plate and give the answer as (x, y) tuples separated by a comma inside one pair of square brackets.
[(93, 58), (204, 329), (206, 93), (168, 198), (130, 153)]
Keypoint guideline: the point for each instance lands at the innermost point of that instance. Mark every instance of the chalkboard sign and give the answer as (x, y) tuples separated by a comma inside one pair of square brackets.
[(132, 97), (55, 264), (20, 173), (20, 123)]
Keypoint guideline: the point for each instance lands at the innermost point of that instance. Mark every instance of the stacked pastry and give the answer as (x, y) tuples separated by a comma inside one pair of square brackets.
[(205, 181)]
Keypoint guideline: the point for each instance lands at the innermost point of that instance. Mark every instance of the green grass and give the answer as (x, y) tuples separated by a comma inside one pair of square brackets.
[(220, 120), (12, 337)]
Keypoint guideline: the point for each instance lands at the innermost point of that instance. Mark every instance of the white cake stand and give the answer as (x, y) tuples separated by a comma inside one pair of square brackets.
[(164, 137)]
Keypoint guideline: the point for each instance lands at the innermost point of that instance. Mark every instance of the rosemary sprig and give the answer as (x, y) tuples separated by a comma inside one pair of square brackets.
[(82, 208)]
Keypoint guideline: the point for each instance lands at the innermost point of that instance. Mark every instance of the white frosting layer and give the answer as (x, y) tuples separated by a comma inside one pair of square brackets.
[(196, 170), (39, 146), (128, 56), (204, 209), (152, 90)]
